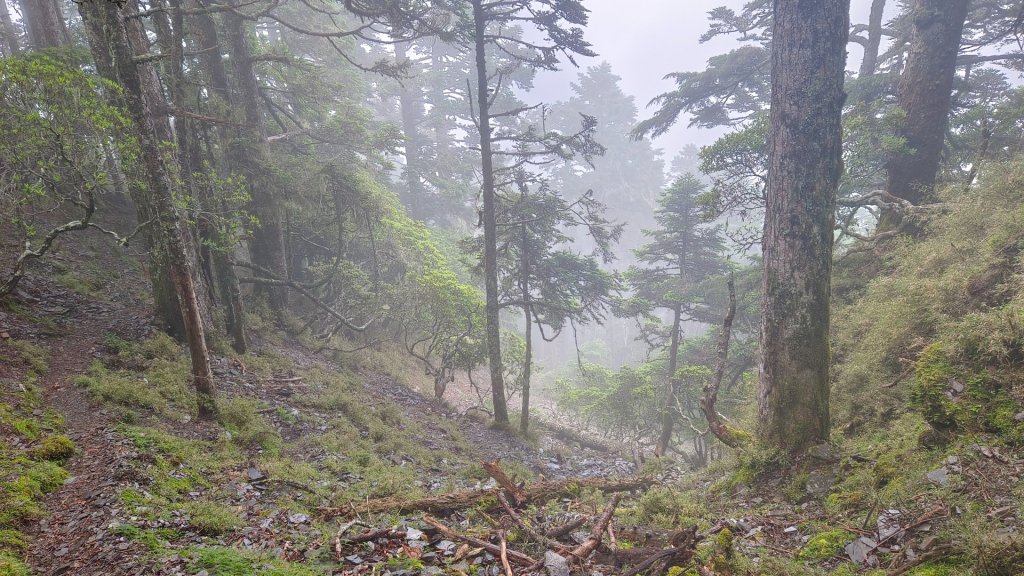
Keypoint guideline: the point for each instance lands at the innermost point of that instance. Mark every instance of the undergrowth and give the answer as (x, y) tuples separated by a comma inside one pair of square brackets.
[(32, 450)]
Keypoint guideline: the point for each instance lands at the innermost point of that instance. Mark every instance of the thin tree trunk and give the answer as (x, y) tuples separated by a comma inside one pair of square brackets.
[(204, 30), (490, 224), (249, 155), (411, 109), (524, 417), (804, 165), (144, 99), (10, 35), (668, 416), (925, 95), (869, 64)]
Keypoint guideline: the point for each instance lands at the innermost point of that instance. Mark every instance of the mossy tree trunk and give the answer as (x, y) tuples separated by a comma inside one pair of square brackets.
[(668, 413), (203, 30), (165, 299), (804, 165), (925, 94), (119, 40)]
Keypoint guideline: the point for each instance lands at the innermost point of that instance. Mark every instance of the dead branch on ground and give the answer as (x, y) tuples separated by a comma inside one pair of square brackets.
[(537, 493)]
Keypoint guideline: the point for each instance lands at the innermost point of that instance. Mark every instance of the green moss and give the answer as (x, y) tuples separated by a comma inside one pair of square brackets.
[(230, 562), (57, 448), (211, 518), (224, 562), (33, 355), (156, 539), (796, 489), (13, 566), (241, 418), (664, 507), (825, 545), (933, 374)]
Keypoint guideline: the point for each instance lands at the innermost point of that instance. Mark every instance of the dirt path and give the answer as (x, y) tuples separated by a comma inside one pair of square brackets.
[(76, 538)]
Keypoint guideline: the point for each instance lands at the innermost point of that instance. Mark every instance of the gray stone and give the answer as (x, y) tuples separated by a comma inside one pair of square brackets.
[(860, 549), (556, 564), (939, 477)]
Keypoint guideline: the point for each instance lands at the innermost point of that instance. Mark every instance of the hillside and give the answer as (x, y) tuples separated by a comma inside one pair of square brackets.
[(105, 470)]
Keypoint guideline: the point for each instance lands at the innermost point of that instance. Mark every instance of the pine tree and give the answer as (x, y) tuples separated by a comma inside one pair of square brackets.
[(681, 253), (497, 24)]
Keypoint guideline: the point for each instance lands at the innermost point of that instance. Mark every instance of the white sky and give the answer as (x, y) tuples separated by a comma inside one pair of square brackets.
[(644, 40)]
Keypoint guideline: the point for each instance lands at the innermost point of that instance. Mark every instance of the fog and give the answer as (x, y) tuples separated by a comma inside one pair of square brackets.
[(656, 38)]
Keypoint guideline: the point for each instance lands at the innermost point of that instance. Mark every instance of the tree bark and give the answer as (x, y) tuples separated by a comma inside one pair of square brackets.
[(7, 30), (143, 98), (204, 31), (411, 110), (524, 416), (165, 299), (45, 24), (925, 95), (248, 155), (668, 416), (869, 64), (489, 217), (804, 165)]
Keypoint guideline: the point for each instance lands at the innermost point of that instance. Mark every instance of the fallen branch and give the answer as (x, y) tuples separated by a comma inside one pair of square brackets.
[(591, 543), (341, 532), (506, 483), (504, 554), (513, 556), (572, 436), (940, 552), (390, 533), (678, 555), (537, 493), (537, 536), (565, 529)]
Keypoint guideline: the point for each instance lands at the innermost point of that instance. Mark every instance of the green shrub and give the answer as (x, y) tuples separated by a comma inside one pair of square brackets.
[(57, 448)]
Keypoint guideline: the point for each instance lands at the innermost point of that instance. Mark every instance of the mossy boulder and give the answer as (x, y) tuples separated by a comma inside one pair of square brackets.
[(55, 448), (825, 545)]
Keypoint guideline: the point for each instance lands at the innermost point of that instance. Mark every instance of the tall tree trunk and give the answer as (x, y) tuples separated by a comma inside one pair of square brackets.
[(8, 32), (524, 281), (411, 110), (248, 155), (204, 31), (869, 64), (165, 298), (490, 222), (143, 99), (925, 95), (668, 413), (804, 165), (45, 24)]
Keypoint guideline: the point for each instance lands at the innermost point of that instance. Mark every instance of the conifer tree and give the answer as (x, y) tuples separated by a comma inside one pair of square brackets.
[(680, 254)]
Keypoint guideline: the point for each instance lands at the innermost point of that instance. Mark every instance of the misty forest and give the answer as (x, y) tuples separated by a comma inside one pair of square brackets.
[(510, 287)]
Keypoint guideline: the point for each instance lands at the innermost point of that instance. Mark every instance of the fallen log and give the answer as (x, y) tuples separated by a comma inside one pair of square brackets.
[(513, 556), (575, 437), (679, 555), (536, 536), (565, 529), (506, 483), (537, 493), (591, 543)]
